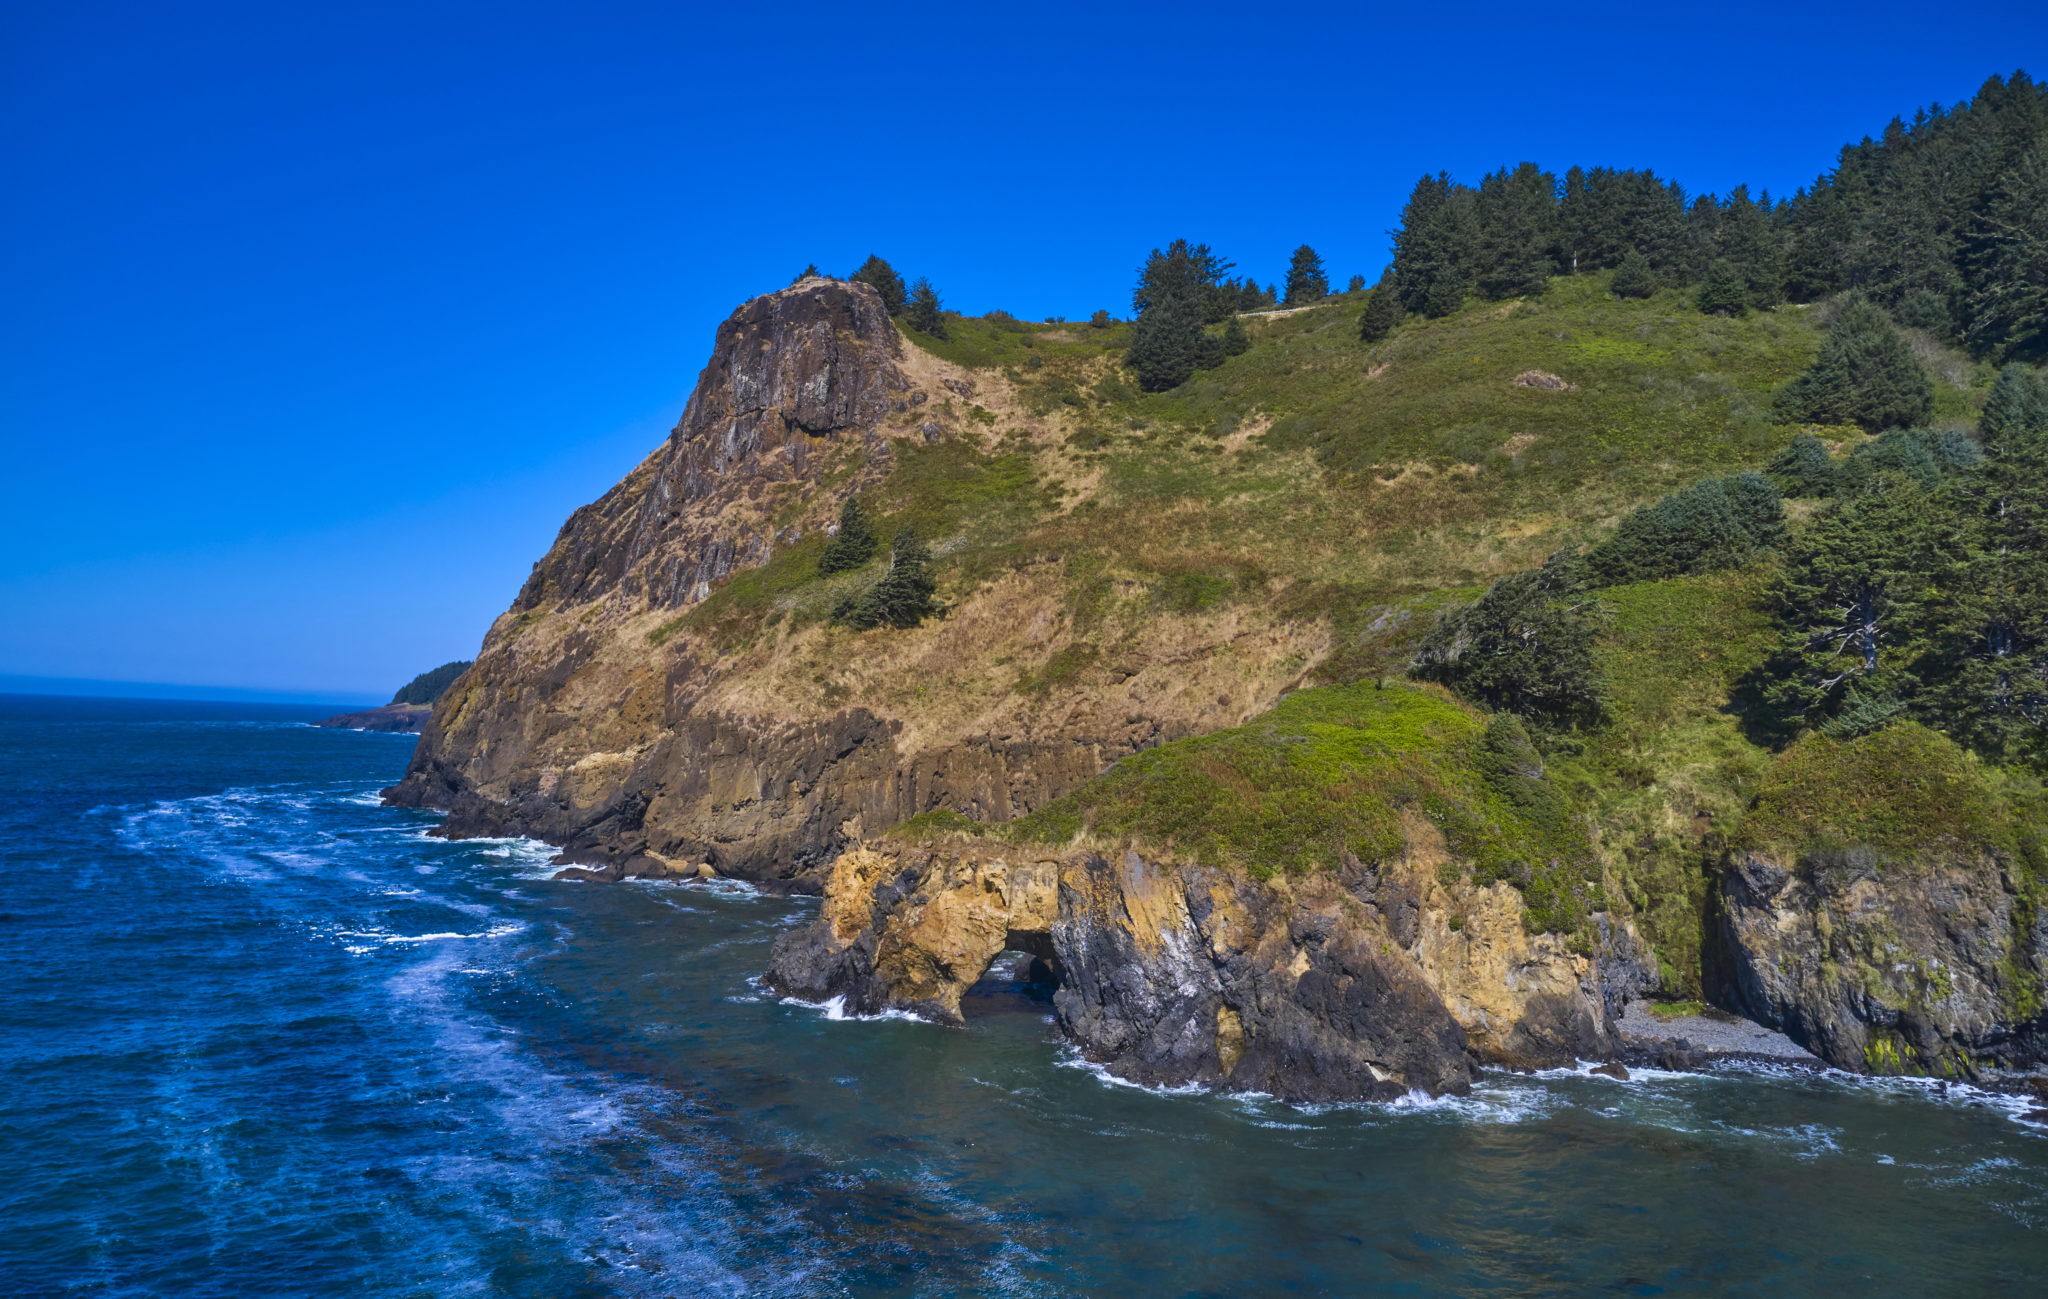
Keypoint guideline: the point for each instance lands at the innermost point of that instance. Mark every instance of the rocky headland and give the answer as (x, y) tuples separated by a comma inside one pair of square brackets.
[(1241, 857), (401, 718)]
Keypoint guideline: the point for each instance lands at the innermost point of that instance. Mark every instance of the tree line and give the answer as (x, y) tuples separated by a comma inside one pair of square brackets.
[(917, 304), (1941, 221)]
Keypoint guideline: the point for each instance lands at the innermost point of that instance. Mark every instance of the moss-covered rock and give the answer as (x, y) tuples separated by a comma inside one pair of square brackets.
[(1882, 905)]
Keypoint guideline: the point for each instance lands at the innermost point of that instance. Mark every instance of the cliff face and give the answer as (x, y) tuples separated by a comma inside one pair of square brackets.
[(1929, 967), (599, 716), (1355, 984)]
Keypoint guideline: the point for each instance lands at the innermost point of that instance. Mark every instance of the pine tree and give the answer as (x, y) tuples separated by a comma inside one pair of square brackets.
[(1804, 468), (926, 312), (1433, 247), (2016, 412), (1236, 342), (1515, 214), (1526, 646), (807, 273), (1382, 310), (2007, 258), (1855, 594), (1634, 278), (1306, 280), (1356, 285), (1745, 237), (855, 543), (1165, 341), (1723, 292), (1100, 320), (1865, 374), (906, 595), (1715, 523), (1177, 288), (1989, 685), (883, 278)]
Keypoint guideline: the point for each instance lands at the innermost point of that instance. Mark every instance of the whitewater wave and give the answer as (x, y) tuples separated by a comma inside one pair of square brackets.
[(834, 1010)]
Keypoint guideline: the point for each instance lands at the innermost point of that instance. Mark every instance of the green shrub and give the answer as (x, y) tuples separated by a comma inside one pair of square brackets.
[(1526, 646), (1715, 523), (1804, 468)]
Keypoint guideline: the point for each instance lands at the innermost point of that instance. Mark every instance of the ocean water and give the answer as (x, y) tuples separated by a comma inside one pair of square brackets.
[(263, 1037)]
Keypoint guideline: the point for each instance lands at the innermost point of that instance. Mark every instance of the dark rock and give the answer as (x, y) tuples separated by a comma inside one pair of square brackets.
[(399, 718), (1882, 968), (1615, 1071), (591, 874)]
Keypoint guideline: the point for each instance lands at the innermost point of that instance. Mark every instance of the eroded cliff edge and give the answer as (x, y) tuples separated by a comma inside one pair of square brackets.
[(605, 715), (667, 689), (1357, 984)]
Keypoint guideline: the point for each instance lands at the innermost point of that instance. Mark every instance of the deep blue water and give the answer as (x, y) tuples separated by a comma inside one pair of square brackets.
[(262, 1036)]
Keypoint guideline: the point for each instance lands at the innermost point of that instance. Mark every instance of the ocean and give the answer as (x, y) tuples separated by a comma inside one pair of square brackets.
[(263, 1036)]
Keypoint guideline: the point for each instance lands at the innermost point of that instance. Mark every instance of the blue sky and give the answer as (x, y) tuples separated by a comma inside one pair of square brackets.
[(320, 318)]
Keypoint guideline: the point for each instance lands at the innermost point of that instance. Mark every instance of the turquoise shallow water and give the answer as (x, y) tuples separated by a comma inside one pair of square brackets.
[(262, 1036)]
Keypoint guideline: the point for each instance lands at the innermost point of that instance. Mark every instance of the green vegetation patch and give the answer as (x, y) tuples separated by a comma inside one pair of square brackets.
[(1672, 771), (1905, 791), (1329, 771)]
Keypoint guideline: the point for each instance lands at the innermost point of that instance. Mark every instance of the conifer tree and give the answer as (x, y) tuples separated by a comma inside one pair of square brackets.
[(808, 272), (1745, 237), (1306, 280), (1382, 310), (1634, 278), (1723, 292), (926, 312), (1515, 217), (1855, 595), (2007, 256), (1526, 646), (1100, 320), (906, 595), (883, 278), (1989, 678), (1865, 374), (1357, 284), (1433, 249), (855, 543), (1177, 289), (2016, 413), (1804, 468), (1236, 342)]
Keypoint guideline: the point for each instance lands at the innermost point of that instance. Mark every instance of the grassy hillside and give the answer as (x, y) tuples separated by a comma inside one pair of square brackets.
[(1315, 474), (1316, 479)]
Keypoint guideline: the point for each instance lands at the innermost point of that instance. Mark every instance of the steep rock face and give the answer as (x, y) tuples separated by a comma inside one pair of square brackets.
[(1363, 983), (598, 718), (1886, 968), (790, 373)]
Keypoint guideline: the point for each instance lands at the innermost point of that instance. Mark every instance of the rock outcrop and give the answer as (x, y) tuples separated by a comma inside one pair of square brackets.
[(601, 715), (1880, 966), (1364, 983), (400, 718)]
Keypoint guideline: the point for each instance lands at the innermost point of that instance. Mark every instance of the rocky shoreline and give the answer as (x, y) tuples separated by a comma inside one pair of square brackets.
[(405, 719)]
